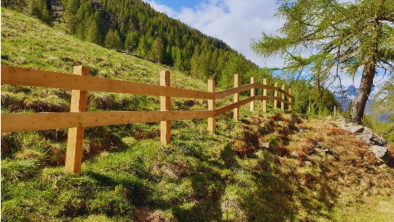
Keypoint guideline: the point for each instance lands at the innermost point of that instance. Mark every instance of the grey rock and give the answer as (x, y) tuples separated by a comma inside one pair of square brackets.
[(365, 136), (379, 151), (367, 131), (294, 155), (265, 145), (380, 141), (356, 129)]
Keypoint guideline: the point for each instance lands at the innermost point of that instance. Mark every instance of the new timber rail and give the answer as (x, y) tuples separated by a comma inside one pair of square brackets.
[(80, 83)]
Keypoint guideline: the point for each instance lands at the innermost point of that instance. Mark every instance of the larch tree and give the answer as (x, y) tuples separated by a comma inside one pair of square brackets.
[(383, 102), (326, 39)]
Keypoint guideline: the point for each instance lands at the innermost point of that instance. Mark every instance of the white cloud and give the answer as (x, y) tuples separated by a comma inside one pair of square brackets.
[(235, 22)]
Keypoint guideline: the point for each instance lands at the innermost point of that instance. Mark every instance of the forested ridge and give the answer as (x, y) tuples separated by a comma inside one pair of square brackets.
[(134, 27)]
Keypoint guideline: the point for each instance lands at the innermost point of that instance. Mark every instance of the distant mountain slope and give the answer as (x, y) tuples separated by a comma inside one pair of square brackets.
[(348, 95), (134, 27), (26, 42)]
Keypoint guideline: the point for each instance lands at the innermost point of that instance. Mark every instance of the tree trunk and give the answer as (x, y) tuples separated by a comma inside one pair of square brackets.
[(363, 93)]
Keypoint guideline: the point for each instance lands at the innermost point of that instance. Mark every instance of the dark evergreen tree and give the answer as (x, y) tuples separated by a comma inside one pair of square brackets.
[(132, 40), (112, 40), (157, 51), (39, 9), (134, 25), (93, 33)]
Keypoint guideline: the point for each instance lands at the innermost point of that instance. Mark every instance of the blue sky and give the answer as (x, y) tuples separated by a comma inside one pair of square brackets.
[(236, 22), (177, 5)]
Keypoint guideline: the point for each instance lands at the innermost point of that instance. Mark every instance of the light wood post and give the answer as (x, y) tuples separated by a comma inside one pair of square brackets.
[(211, 107), (252, 93), (289, 99), (276, 95), (282, 104), (236, 97), (75, 135), (165, 105), (265, 94)]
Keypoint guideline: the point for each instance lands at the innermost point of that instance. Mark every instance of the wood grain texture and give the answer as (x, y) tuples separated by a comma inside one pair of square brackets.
[(233, 106), (45, 121), (32, 77), (271, 98), (236, 98), (165, 105), (75, 134), (282, 104), (265, 94), (211, 107), (290, 102), (276, 96), (252, 94), (272, 88), (229, 92)]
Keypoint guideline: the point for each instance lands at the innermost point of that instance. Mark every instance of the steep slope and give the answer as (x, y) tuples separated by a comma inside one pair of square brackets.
[(26, 42), (134, 27), (269, 167)]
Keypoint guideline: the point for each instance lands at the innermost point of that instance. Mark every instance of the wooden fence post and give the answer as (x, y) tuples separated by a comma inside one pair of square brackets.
[(165, 105), (75, 135), (289, 99), (265, 94), (282, 104), (211, 107), (276, 95), (236, 97), (252, 93)]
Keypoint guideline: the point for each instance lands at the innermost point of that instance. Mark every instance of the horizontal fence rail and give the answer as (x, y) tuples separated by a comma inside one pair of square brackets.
[(80, 83), (46, 121), (30, 77)]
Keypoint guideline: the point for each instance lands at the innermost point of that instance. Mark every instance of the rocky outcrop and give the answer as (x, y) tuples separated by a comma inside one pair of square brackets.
[(378, 145), (379, 151)]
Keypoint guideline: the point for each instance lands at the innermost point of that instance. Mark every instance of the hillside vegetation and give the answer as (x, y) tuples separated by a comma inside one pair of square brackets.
[(134, 27), (269, 167)]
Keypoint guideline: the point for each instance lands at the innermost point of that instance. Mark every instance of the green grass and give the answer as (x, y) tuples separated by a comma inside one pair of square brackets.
[(262, 168), (373, 209)]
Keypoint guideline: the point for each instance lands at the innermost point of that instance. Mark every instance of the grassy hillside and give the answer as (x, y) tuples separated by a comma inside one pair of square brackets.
[(135, 27), (26, 42), (262, 168)]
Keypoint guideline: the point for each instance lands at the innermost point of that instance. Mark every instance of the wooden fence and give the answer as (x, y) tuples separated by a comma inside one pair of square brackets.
[(78, 118)]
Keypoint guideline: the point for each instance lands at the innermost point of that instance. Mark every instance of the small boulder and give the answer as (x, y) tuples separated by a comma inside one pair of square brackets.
[(294, 155), (367, 131), (365, 136), (379, 151), (356, 129), (265, 145), (380, 141)]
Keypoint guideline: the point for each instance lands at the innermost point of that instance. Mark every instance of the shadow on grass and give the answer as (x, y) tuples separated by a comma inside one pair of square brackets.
[(388, 159), (135, 189)]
